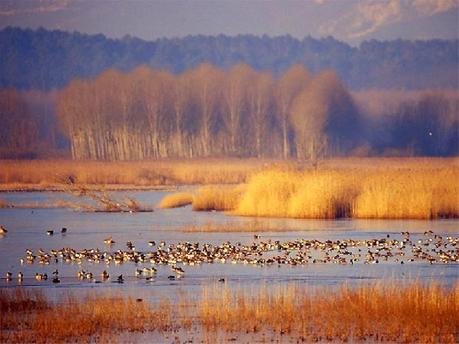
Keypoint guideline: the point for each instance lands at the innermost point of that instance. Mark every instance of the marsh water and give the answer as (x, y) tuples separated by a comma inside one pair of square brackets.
[(27, 229)]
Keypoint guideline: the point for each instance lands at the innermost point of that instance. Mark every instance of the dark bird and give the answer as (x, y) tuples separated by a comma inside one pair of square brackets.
[(50, 232), (63, 230)]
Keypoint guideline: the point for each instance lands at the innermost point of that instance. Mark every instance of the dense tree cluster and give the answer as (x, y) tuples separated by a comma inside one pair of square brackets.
[(41, 59), (151, 113), (205, 111), (28, 126)]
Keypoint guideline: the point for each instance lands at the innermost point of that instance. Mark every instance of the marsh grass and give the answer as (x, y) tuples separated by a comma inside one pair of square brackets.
[(29, 317), (52, 174), (175, 200), (217, 198), (379, 312), (355, 193)]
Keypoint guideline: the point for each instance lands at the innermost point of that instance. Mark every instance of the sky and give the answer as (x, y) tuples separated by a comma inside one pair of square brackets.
[(351, 21)]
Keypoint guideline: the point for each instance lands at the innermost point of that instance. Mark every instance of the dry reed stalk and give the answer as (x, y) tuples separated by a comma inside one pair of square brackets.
[(52, 174), (175, 200), (217, 198), (380, 312), (427, 193), (383, 312)]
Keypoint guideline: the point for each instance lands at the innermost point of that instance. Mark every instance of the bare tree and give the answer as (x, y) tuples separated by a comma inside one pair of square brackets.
[(288, 86)]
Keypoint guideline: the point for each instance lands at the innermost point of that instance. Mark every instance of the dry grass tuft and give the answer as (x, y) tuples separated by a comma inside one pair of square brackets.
[(175, 200), (28, 317), (52, 174), (381, 312), (217, 198), (393, 193), (385, 312)]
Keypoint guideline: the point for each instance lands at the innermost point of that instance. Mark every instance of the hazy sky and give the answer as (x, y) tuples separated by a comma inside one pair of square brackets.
[(348, 20)]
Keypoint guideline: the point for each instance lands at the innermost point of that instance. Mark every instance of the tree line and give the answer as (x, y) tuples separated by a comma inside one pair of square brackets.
[(45, 60), (207, 111), (150, 114)]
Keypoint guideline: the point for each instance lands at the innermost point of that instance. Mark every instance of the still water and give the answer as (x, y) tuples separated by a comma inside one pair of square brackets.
[(27, 229)]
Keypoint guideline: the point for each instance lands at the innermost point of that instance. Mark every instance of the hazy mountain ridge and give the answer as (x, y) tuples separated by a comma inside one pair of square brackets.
[(42, 59)]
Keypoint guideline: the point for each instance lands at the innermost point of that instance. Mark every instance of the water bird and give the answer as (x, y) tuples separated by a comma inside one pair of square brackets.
[(9, 275), (3, 230), (50, 232), (56, 280), (105, 275), (63, 230), (177, 270), (109, 241), (120, 279), (20, 276), (151, 243)]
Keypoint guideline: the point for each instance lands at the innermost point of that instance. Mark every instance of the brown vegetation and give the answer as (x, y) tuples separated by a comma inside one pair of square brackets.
[(419, 189), (29, 317), (55, 174), (381, 312), (175, 200), (217, 198), (377, 312)]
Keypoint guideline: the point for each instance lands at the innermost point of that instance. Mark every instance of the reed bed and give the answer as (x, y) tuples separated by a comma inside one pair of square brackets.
[(175, 200), (217, 198), (51, 174), (28, 317), (378, 312), (354, 193)]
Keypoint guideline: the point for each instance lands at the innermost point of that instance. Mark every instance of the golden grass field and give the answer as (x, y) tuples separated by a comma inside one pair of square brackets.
[(387, 189), (391, 188), (377, 312), (52, 174)]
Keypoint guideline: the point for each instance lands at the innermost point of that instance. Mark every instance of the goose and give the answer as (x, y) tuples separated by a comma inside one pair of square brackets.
[(109, 241), (177, 270)]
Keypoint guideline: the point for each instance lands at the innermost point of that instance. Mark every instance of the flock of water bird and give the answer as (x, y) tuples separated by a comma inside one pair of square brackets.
[(427, 247)]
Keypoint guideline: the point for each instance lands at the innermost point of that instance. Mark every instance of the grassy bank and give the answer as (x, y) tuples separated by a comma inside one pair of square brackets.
[(52, 174), (378, 312), (424, 191)]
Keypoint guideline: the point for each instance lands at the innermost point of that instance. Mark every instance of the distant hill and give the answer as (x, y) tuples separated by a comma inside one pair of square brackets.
[(42, 59)]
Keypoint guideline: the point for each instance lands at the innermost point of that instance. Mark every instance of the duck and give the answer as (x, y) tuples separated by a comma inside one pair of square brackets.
[(105, 275), (20, 276), (9, 275), (50, 232), (56, 280), (64, 230), (177, 270), (120, 279), (151, 243), (3, 230), (109, 241)]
